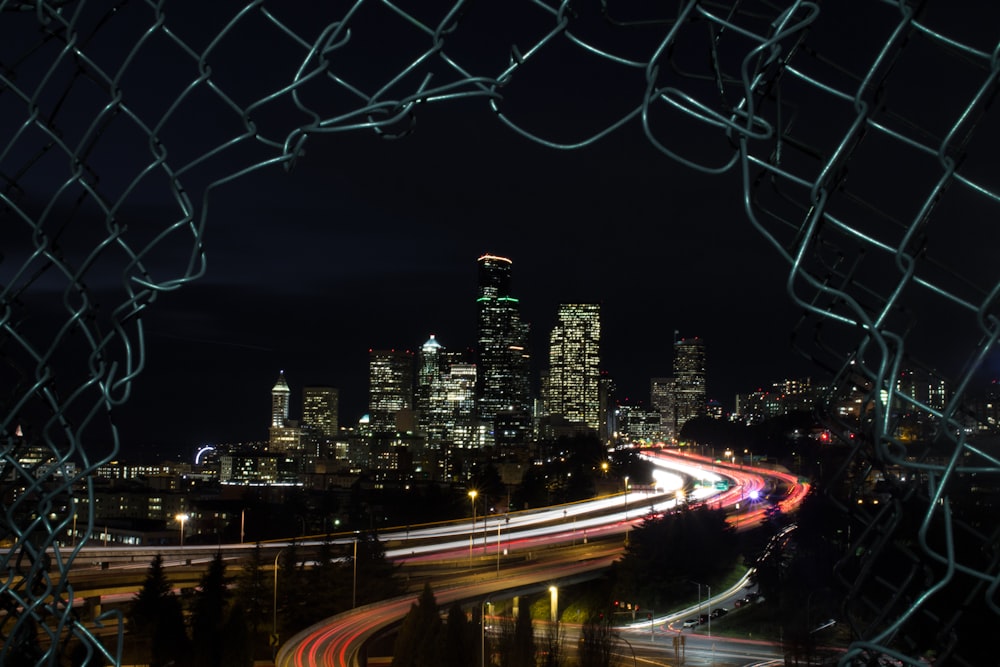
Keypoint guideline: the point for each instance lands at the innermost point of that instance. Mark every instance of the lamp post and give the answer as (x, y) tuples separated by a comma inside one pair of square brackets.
[(182, 518), (274, 617), (482, 628), (472, 535), (709, 599), (626, 497), (354, 587), (554, 603), (499, 525)]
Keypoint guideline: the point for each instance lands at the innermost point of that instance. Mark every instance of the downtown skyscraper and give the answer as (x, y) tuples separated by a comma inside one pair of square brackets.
[(390, 390), (320, 419), (284, 434), (689, 380), (503, 359), (572, 387)]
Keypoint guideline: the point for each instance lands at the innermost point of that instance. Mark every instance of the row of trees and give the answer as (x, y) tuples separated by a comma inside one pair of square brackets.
[(213, 633), (230, 620), (663, 556), (460, 640)]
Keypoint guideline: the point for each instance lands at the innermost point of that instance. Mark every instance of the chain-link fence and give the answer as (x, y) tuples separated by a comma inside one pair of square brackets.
[(862, 130)]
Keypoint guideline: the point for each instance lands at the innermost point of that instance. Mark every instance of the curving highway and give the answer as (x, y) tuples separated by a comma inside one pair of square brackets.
[(561, 543)]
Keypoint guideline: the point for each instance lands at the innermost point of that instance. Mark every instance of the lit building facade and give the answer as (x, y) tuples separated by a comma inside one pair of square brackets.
[(503, 380), (430, 368), (662, 399), (608, 413), (390, 390), (284, 435), (320, 418), (689, 379), (462, 428), (574, 365), (279, 401)]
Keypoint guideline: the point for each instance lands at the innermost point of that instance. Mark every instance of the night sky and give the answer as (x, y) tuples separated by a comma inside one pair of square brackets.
[(373, 244), (370, 242)]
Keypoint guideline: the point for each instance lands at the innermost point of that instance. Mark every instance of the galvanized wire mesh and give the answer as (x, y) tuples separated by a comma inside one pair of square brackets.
[(862, 130)]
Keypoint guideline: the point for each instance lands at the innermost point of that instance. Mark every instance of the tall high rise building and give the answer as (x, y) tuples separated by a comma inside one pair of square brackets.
[(279, 401), (429, 369), (574, 365), (689, 380), (503, 385), (609, 422), (284, 434), (390, 390), (662, 395), (458, 402), (319, 417)]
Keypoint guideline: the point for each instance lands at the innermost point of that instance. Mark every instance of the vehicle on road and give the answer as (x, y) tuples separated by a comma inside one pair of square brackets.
[(691, 623)]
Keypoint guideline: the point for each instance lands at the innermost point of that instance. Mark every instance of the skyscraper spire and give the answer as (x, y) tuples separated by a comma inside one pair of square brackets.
[(279, 401), (503, 358)]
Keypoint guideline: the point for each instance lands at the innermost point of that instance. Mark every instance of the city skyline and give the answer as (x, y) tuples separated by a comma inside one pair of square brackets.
[(564, 381), (633, 383)]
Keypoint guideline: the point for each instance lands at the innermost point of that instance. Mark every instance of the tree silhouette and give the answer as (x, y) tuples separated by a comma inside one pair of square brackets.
[(251, 591), (158, 620), (376, 575), (209, 610), (460, 647), (237, 649), (417, 642), (665, 553)]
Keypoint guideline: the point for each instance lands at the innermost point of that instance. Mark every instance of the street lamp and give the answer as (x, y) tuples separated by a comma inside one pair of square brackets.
[(499, 525), (482, 628), (182, 518), (709, 599), (274, 618), (626, 497), (472, 535), (554, 603)]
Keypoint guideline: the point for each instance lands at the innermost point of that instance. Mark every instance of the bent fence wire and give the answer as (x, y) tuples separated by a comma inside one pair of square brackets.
[(862, 132)]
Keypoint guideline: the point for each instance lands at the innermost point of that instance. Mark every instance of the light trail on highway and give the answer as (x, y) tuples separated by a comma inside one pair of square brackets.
[(338, 641)]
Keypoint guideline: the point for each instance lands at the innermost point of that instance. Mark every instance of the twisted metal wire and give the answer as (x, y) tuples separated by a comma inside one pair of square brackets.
[(860, 131)]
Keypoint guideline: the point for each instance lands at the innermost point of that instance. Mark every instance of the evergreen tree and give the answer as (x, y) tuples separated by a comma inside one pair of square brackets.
[(459, 648), (323, 581), (252, 592), (417, 642), (158, 620), (208, 613), (665, 553), (293, 613), (237, 650), (376, 575)]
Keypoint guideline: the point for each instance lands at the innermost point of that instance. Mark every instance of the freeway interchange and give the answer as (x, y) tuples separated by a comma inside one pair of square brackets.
[(535, 549)]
